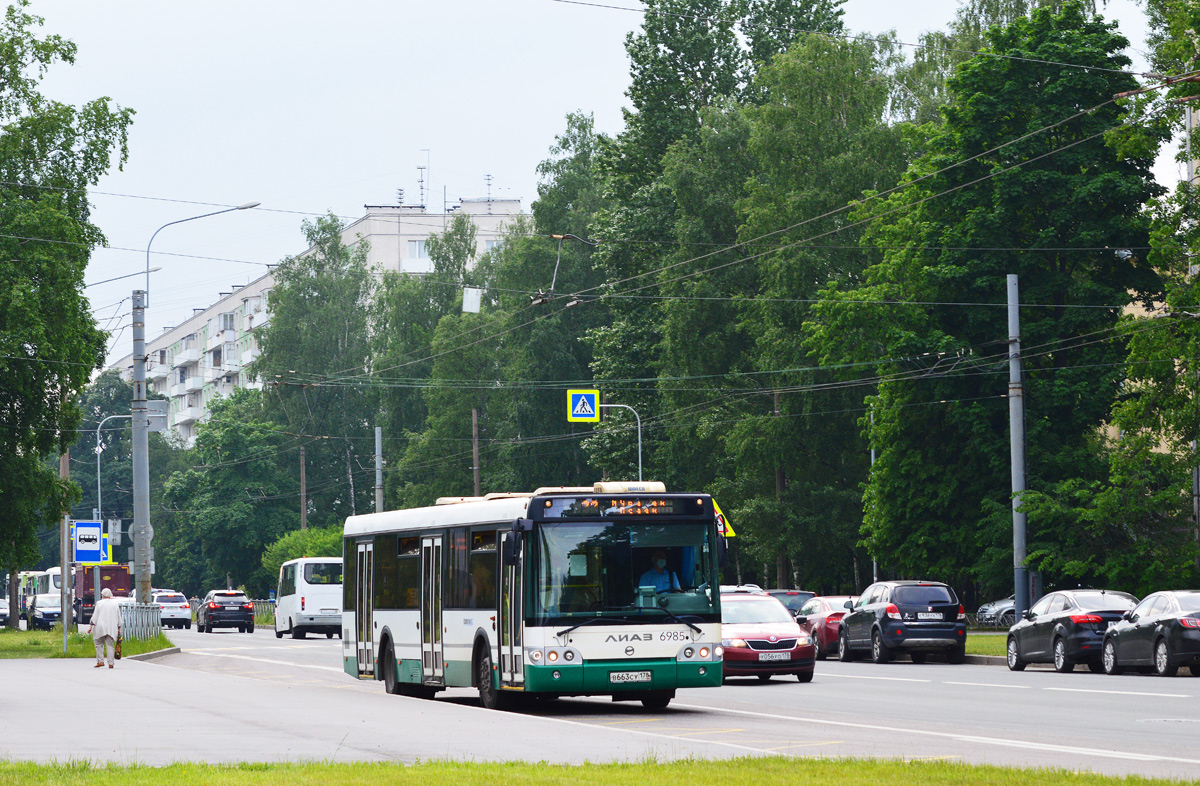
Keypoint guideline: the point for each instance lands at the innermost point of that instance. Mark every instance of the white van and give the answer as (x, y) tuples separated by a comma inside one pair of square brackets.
[(309, 597)]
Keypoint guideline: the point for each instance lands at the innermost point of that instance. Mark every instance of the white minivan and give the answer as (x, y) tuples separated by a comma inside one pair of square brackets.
[(309, 597)]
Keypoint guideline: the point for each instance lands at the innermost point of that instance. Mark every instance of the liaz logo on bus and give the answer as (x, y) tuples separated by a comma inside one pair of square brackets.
[(630, 637)]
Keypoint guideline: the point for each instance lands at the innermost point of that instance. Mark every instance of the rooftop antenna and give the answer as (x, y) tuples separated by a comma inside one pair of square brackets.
[(421, 182), (488, 178), (400, 197)]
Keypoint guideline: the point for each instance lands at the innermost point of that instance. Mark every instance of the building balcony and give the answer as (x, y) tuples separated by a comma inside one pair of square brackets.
[(250, 355), (188, 415), (156, 372), (220, 338), (187, 357), (193, 384), (178, 390)]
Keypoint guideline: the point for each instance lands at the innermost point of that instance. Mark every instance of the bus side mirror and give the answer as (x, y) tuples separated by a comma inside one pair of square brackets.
[(512, 550)]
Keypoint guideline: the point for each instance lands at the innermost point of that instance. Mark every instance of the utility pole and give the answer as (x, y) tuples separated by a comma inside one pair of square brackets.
[(64, 543), (780, 485), (378, 469), (1016, 431), (874, 561), (475, 449), (303, 494)]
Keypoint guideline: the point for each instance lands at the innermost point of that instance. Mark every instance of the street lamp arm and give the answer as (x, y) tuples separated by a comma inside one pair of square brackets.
[(100, 507), (246, 206)]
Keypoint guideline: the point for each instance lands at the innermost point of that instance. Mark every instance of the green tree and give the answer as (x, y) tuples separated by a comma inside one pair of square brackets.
[(312, 542), (232, 503), (999, 195), (316, 352), (49, 343)]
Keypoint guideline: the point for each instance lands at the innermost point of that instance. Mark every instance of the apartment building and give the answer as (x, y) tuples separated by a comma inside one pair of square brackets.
[(205, 356)]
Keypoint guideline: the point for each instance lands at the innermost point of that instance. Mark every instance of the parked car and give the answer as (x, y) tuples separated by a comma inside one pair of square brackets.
[(3, 611), (1065, 628), (174, 608), (1000, 613), (823, 619), (916, 617), (761, 638), (1163, 631), (791, 598), (225, 609), (44, 611)]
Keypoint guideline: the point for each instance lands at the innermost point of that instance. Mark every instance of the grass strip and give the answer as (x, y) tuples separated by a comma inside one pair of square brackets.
[(758, 771), (49, 644), (986, 645)]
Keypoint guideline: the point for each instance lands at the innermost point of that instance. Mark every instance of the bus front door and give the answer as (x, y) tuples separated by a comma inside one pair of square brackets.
[(512, 666), (432, 664), (364, 607)]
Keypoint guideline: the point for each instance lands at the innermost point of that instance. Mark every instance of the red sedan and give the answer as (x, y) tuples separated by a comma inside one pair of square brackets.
[(761, 638), (823, 620)]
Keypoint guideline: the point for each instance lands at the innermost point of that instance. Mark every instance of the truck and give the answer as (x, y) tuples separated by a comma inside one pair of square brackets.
[(117, 578)]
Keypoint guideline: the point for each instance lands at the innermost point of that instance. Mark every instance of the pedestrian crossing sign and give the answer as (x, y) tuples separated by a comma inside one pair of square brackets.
[(583, 406)]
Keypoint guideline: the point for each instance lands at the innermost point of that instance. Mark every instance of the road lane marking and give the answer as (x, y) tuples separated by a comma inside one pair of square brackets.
[(801, 744), (1039, 746), (864, 677), (988, 685), (1123, 692), (261, 660)]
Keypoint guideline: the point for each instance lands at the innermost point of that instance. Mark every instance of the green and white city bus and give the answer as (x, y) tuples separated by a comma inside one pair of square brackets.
[(546, 593)]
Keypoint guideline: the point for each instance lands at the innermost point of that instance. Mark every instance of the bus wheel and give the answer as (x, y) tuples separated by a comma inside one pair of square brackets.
[(658, 700), (490, 695), (329, 635), (391, 681)]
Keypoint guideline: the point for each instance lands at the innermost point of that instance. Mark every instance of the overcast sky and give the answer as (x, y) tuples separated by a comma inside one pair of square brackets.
[(309, 107)]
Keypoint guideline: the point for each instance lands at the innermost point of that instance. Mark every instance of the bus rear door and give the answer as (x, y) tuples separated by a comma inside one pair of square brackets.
[(432, 664), (364, 606)]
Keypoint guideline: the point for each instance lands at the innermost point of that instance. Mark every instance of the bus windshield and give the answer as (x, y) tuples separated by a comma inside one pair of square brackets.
[(622, 571)]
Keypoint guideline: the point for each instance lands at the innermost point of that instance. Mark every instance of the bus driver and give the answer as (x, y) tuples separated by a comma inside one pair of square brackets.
[(658, 576)]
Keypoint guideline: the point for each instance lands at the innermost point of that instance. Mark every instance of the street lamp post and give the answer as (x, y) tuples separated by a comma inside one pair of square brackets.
[(143, 532)]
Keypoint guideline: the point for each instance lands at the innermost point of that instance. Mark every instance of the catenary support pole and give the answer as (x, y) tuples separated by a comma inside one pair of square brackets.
[(475, 450), (143, 532), (303, 494), (378, 469), (1016, 430), (64, 542)]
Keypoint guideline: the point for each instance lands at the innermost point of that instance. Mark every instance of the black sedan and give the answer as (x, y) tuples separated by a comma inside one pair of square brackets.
[(1065, 628), (1163, 632), (225, 609)]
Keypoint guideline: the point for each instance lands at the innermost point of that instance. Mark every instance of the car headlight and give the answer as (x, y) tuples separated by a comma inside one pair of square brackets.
[(734, 643), (804, 640)]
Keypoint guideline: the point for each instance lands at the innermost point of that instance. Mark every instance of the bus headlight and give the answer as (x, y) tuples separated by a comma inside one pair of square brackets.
[(569, 656), (689, 652), (703, 652), (535, 656), (552, 656)]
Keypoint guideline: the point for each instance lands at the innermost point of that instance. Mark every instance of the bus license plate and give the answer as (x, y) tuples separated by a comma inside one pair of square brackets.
[(628, 676), (929, 615), (774, 656)]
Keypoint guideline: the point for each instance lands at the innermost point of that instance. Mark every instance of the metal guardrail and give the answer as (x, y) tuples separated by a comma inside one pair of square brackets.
[(140, 620)]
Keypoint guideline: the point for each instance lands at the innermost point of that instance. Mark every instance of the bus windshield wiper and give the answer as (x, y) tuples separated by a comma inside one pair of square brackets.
[(677, 618), (565, 631)]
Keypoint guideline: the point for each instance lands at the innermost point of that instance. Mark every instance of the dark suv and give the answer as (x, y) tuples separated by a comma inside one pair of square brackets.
[(917, 617), (225, 609)]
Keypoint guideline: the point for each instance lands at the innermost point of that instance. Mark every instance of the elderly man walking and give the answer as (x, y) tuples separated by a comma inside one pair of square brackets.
[(106, 627)]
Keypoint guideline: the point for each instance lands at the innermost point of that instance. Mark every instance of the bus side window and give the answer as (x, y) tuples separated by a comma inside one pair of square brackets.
[(482, 569)]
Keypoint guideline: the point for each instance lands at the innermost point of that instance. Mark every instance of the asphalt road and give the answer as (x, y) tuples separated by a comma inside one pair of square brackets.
[(250, 697)]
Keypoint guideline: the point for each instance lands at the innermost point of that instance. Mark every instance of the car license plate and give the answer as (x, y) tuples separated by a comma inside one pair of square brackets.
[(628, 676), (774, 656), (929, 615)]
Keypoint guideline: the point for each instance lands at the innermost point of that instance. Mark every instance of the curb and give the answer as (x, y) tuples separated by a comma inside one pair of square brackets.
[(154, 655), (986, 660)]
